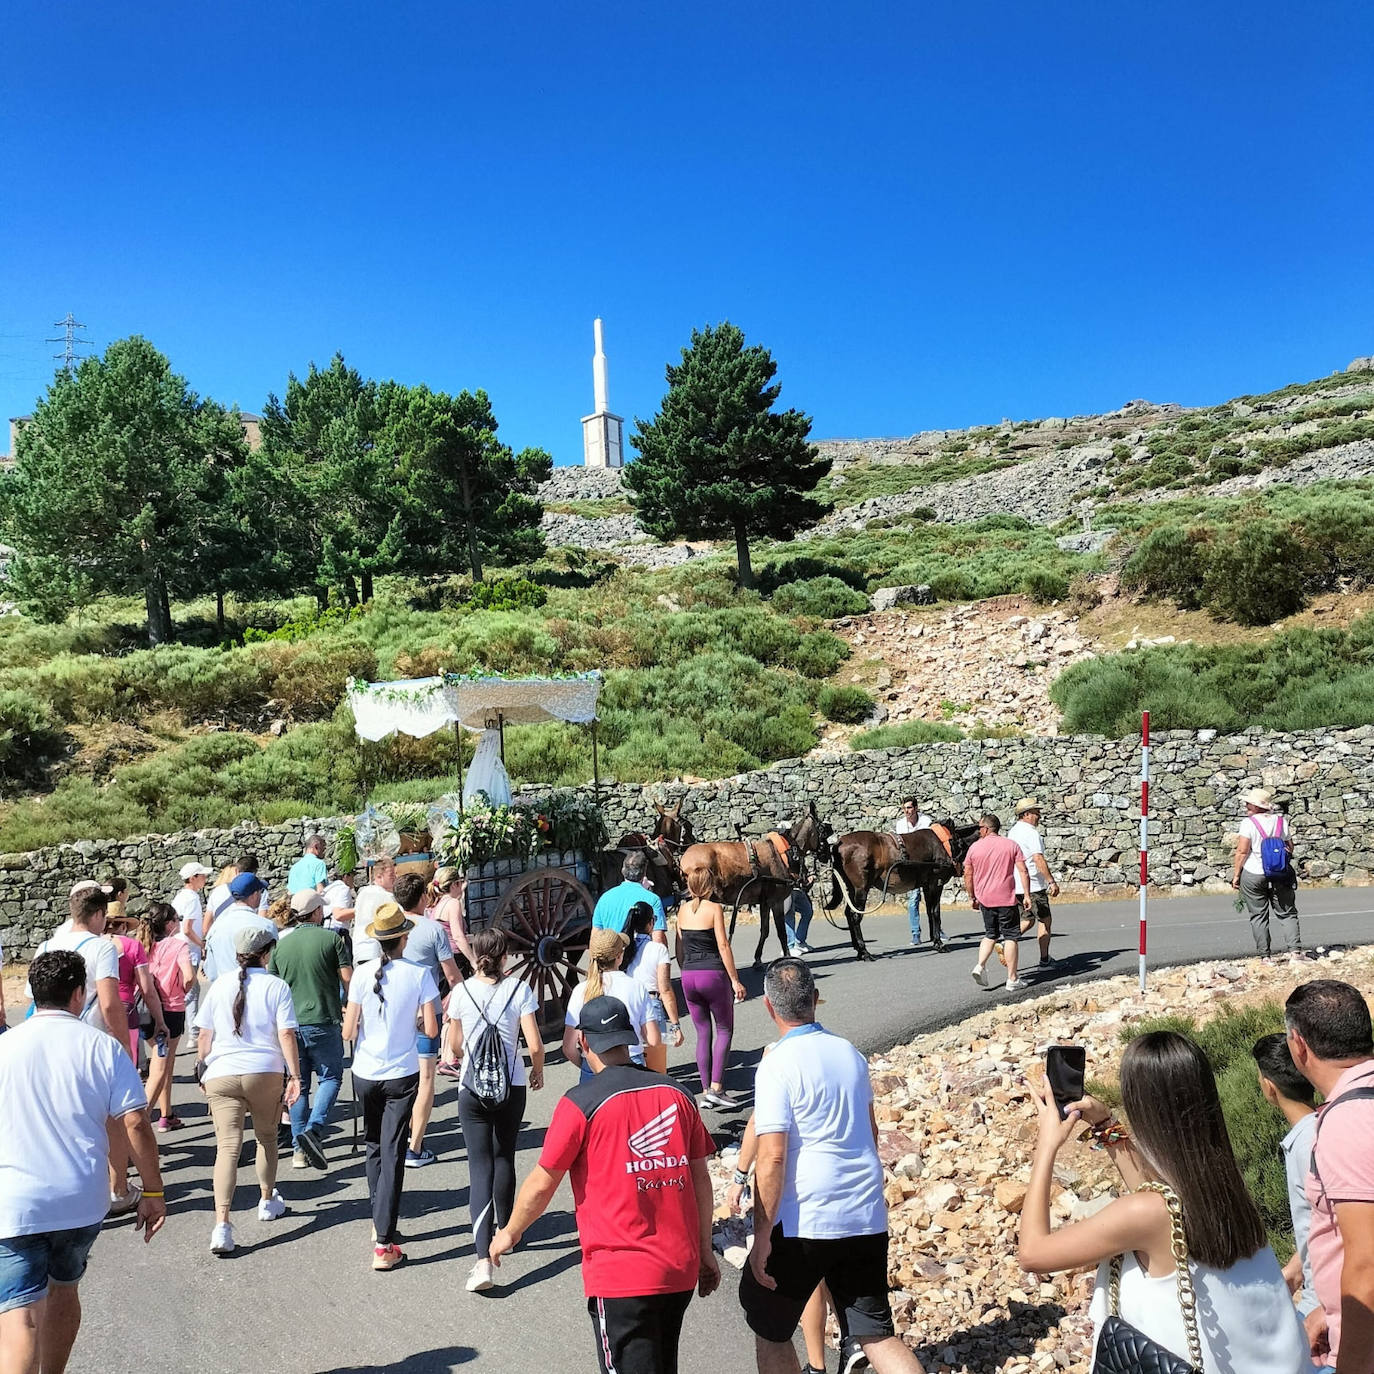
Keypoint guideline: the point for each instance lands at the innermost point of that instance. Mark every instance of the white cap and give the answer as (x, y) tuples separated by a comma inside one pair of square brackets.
[(189, 871), (83, 885)]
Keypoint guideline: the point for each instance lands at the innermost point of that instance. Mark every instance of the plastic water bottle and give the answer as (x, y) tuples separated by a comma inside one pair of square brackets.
[(162, 1044)]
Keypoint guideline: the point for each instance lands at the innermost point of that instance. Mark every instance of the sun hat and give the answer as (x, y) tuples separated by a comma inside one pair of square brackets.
[(193, 870), (606, 943), (246, 885), (1027, 804), (1259, 797), (606, 1024), (306, 903), (389, 922), (82, 885), (253, 940)]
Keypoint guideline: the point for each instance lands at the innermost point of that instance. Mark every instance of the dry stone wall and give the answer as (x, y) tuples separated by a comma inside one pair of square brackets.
[(1089, 787)]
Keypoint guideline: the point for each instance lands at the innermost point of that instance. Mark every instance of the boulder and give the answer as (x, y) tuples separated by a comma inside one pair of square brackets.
[(885, 598)]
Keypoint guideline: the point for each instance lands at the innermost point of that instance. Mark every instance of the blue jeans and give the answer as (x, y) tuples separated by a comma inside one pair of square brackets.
[(321, 1052), (28, 1264), (797, 912), (913, 914)]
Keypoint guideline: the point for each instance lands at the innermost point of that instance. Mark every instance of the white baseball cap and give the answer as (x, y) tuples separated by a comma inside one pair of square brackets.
[(189, 871)]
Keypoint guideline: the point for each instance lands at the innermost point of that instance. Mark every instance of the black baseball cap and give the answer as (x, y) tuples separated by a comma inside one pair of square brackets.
[(606, 1024)]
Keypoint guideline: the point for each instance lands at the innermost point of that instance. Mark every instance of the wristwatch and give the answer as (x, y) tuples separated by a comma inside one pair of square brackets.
[(673, 1026), (741, 1177)]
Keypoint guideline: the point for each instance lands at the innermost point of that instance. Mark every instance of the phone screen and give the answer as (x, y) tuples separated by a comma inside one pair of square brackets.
[(1065, 1067)]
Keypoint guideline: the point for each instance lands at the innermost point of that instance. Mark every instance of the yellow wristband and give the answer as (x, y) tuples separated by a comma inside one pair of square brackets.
[(146, 1193)]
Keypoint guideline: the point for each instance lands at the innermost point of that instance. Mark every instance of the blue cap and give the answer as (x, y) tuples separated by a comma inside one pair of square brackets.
[(246, 885)]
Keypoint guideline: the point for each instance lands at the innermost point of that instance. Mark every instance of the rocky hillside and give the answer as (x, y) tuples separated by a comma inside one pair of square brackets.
[(1043, 470)]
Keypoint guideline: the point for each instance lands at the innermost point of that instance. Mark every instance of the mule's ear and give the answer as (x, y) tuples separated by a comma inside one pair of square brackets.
[(811, 807), (677, 810), (658, 808)]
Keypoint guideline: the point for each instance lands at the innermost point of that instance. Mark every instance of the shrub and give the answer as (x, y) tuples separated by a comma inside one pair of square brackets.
[(1043, 586), (951, 585), (28, 731), (1255, 575), (819, 654), (1170, 561), (805, 568), (1084, 594), (822, 597), (845, 705), (909, 732), (507, 594)]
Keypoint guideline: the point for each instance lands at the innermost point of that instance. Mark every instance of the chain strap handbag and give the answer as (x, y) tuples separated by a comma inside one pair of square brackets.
[(1121, 1349)]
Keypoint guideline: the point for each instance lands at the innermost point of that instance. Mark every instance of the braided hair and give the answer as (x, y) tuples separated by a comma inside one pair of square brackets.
[(246, 961), (391, 949)]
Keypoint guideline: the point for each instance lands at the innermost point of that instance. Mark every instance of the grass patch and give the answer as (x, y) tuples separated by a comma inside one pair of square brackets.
[(909, 732), (595, 509), (862, 481)]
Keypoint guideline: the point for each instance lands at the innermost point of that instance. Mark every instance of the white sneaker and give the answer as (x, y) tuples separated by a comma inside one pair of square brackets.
[(480, 1279), (270, 1208), (1016, 984), (980, 975), (222, 1239)]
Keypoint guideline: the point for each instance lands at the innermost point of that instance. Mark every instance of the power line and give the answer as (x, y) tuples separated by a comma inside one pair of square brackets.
[(70, 343)]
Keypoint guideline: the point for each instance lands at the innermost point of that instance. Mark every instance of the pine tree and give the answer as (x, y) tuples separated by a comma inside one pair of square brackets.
[(717, 460)]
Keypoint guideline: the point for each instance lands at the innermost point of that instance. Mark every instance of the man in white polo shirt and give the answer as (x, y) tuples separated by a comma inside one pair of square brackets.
[(1035, 908), (819, 1212)]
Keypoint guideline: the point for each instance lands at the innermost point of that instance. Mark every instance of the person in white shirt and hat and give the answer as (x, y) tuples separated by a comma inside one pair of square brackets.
[(1035, 903), (1272, 892)]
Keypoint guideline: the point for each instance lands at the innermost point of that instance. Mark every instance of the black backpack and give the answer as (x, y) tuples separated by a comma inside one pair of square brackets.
[(489, 1075)]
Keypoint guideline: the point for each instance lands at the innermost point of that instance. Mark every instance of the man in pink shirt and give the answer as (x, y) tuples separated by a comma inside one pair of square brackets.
[(1330, 1036), (992, 867)]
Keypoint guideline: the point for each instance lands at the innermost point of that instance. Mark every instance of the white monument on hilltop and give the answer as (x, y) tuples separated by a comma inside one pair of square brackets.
[(602, 433)]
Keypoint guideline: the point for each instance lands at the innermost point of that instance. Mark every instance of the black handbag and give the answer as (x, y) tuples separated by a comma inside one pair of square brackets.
[(1121, 1349)]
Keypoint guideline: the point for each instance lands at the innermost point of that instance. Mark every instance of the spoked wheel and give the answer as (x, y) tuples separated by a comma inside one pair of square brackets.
[(547, 916)]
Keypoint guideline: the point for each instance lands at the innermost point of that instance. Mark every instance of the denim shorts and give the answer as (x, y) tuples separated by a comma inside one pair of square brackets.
[(657, 1012), (428, 1046), (28, 1264)]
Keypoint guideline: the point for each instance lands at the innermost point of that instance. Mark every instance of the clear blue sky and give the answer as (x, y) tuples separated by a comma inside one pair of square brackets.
[(935, 215)]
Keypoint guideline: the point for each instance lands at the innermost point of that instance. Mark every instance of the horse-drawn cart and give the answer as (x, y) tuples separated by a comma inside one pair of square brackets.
[(531, 866)]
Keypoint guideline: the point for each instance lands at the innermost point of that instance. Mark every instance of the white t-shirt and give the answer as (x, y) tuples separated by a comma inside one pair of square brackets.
[(631, 993), (1270, 824), (365, 903), (902, 826), (101, 956), (338, 896), (268, 1008), (510, 999), (1028, 837), (221, 899), (386, 1039), (648, 958), (70, 1078), (814, 1086), (189, 907), (220, 955), (1250, 1325)]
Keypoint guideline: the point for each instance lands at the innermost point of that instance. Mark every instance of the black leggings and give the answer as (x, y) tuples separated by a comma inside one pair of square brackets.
[(490, 1136)]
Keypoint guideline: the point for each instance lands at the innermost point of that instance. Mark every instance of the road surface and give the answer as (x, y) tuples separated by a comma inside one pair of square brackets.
[(299, 1295)]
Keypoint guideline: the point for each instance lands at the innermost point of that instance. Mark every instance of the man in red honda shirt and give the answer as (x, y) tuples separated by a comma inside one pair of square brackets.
[(637, 1151), (992, 867)]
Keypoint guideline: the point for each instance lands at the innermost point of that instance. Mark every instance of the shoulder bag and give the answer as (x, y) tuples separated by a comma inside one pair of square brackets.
[(1121, 1349)]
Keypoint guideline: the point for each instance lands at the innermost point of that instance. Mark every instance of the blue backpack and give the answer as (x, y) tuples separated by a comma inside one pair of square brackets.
[(1273, 849)]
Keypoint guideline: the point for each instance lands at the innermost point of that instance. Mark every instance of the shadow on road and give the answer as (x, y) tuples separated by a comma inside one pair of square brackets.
[(1016, 1334), (426, 1362)]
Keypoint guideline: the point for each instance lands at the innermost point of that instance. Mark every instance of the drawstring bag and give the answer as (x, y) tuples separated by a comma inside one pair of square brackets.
[(489, 1076)]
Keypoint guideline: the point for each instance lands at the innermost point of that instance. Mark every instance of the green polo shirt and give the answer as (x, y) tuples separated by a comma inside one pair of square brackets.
[(309, 959)]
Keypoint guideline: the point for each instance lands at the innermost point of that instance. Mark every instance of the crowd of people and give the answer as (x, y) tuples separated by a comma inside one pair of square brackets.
[(273, 992)]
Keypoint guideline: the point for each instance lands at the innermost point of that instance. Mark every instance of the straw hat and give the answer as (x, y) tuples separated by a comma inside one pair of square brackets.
[(389, 922), (606, 944), (1260, 798), (1027, 804)]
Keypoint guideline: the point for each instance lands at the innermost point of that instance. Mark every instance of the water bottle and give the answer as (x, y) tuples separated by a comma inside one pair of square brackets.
[(162, 1044)]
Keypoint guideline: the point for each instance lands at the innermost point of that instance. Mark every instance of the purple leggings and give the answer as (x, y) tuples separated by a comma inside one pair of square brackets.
[(710, 997)]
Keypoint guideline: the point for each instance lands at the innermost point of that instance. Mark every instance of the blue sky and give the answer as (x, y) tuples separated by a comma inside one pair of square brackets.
[(933, 215)]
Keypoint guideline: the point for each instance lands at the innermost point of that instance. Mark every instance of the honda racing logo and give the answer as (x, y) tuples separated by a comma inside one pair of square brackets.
[(648, 1143)]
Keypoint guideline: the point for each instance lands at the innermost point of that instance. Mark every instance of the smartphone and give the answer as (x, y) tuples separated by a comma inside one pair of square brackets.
[(1065, 1068)]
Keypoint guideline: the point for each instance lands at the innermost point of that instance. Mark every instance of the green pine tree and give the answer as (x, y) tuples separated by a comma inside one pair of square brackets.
[(717, 460)]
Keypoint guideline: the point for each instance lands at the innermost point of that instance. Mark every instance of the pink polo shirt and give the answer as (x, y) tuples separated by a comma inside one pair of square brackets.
[(1344, 1153), (992, 861)]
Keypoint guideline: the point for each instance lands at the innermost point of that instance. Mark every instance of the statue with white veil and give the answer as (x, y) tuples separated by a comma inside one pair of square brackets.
[(487, 773)]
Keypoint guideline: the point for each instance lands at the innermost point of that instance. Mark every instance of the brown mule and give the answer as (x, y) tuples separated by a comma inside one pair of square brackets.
[(671, 835), (760, 872), (894, 864)]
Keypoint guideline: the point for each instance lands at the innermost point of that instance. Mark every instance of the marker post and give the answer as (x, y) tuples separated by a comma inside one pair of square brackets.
[(1144, 834)]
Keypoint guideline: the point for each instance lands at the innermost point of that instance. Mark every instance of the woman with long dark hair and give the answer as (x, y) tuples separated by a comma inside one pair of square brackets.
[(505, 1004), (651, 966), (1193, 1270), (387, 998), (174, 973), (247, 1026)]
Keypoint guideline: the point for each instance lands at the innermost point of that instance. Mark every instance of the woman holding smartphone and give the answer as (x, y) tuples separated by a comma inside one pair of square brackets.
[(1183, 1186)]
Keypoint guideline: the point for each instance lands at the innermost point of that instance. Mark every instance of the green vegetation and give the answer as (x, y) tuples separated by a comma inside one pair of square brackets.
[(592, 508), (911, 732), (822, 597), (1254, 1126), (1299, 680), (863, 480), (845, 705)]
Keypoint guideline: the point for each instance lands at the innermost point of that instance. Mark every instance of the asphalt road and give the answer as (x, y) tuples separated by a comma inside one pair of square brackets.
[(299, 1295)]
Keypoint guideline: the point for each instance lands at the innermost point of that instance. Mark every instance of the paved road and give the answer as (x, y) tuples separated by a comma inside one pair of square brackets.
[(299, 1296)]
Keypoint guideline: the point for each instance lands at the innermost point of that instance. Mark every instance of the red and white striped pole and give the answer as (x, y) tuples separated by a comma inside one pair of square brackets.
[(1144, 832)]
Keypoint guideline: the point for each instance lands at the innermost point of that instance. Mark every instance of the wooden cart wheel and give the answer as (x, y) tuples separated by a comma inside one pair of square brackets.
[(547, 916)]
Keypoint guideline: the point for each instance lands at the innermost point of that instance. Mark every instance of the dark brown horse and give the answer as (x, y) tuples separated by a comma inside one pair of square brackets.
[(894, 864), (760, 873), (662, 849)]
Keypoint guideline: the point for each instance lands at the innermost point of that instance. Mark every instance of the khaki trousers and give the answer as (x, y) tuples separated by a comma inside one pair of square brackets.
[(231, 1098)]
